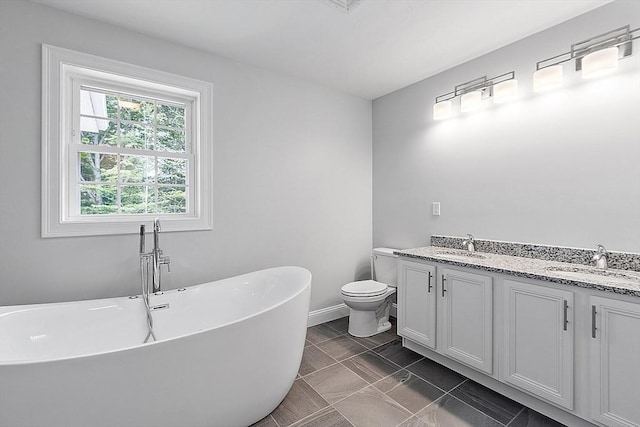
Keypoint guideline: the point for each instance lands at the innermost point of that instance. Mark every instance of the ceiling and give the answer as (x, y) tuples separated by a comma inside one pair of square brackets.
[(376, 47)]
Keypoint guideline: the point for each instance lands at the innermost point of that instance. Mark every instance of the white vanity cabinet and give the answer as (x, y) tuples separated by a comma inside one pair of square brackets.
[(570, 352), (417, 302), (614, 357), (458, 302), (466, 313), (538, 333)]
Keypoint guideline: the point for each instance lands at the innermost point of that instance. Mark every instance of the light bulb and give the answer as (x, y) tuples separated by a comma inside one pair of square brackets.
[(505, 91), (547, 78), (470, 101), (600, 62), (442, 110)]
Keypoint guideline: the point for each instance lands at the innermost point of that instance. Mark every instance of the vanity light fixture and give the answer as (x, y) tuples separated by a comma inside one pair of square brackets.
[(594, 57), (472, 93)]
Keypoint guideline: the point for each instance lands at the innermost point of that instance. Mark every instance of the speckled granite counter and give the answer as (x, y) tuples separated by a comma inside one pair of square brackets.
[(625, 282)]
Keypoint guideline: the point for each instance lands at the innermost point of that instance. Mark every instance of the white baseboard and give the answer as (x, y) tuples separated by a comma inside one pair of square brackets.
[(328, 314)]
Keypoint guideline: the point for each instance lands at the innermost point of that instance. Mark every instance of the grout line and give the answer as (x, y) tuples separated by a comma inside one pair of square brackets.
[(516, 416), (274, 420), (319, 370), (404, 421), (482, 412), (463, 381), (343, 415)]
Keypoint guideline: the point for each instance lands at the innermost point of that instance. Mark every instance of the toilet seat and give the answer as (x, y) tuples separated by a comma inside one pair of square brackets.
[(364, 288)]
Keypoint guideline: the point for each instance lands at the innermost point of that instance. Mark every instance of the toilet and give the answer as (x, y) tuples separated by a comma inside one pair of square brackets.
[(369, 301)]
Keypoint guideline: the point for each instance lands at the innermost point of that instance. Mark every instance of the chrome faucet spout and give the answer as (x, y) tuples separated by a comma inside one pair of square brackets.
[(601, 256), (469, 243)]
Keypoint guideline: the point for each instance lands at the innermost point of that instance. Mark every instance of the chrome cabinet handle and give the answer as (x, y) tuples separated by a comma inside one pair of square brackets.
[(429, 285), (566, 318), (444, 279), (593, 321)]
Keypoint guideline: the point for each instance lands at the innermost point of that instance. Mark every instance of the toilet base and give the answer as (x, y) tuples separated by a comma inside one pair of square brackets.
[(366, 323)]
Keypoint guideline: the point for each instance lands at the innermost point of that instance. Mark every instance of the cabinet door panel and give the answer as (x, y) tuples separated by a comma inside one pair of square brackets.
[(615, 362), (417, 302), (467, 318), (538, 336)]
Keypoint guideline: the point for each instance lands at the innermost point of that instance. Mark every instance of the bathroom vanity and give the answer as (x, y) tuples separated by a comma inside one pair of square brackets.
[(560, 337)]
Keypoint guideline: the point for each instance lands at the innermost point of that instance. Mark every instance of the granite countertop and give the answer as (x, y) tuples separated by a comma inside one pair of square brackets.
[(625, 282)]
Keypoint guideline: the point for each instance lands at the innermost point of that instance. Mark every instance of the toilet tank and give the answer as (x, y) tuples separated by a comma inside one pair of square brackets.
[(384, 266)]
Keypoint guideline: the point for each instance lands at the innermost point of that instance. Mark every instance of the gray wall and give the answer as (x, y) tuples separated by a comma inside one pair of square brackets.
[(554, 168), (292, 172)]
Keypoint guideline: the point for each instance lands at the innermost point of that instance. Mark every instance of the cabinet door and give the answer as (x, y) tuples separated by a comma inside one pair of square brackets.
[(615, 362), (467, 318), (538, 337), (417, 302)]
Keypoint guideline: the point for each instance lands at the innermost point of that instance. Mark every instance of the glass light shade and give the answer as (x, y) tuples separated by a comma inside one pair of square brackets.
[(547, 78), (600, 62), (442, 110), (505, 91), (470, 101)]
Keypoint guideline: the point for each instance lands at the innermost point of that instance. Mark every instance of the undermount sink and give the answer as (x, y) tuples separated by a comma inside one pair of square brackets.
[(458, 254), (584, 272)]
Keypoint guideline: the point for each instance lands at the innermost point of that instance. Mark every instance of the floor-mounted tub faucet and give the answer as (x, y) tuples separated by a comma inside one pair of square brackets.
[(158, 258), (470, 243), (601, 257)]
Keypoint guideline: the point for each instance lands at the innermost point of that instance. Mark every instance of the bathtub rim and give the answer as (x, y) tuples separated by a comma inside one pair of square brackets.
[(309, 278)]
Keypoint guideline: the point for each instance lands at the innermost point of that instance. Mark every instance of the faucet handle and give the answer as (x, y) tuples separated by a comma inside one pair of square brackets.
[(470, 237), (166, 261)]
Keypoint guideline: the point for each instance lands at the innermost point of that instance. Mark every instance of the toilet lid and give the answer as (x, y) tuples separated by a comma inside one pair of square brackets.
[(364, 288)]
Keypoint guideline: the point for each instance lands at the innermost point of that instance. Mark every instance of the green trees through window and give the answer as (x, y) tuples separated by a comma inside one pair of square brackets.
[(135, 156)]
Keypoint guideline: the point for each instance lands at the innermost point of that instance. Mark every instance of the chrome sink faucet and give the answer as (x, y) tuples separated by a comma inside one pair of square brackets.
[(470, 243), (158, 258), (601, 257)]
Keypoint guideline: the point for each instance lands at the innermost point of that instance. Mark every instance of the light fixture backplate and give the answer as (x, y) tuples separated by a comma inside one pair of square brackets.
[(620, 37), (481, 84)]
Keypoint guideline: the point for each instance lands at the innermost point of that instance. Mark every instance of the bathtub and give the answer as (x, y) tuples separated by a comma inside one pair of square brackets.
[(227, 354)]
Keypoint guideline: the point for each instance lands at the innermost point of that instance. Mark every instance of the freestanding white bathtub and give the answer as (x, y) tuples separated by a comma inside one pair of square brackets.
[(227, 354)]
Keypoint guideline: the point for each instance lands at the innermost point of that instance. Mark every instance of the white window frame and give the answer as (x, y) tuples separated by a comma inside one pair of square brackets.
[(63, 72)]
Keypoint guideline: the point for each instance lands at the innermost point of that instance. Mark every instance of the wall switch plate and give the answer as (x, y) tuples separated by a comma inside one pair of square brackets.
[(436, 208)]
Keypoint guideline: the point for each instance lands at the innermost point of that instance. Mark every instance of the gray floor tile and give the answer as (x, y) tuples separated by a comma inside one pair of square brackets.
[(374, 340), (531, 418), (371, 408), (436, 374), (451, 412), (307, 343), (317, 334), (341, 347), (409, 390), (413, 422), (335, 382), (313, 359), (495, 405), (301, 402), (267, 421), (399, 355), (371, 366), (340, 325), (327, 417)]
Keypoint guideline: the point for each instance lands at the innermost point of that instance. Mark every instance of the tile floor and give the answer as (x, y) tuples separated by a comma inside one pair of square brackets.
[(367, 382)]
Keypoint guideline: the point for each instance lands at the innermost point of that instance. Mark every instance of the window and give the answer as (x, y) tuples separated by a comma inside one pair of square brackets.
[(122, 145)]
